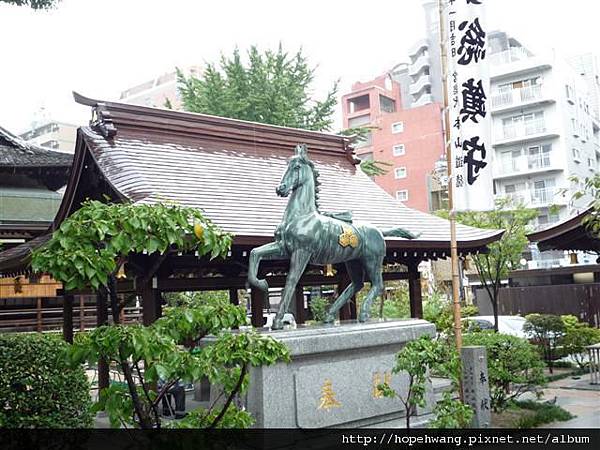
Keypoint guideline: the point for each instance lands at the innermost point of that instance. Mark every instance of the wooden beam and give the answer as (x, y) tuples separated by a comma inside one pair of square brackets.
[(68, 318), (257, 298), (414, 291), (233, 297), (225, 283), (151, 303), (102, 319), (299, 300)]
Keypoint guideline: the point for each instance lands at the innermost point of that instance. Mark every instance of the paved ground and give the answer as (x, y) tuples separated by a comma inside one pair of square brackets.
[(578, 397)]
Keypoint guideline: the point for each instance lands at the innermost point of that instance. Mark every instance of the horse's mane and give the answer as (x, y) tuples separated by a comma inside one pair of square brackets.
[(316, 175)]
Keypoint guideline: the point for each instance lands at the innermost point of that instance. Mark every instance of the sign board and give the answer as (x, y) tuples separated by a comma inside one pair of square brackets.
[(468, 88)]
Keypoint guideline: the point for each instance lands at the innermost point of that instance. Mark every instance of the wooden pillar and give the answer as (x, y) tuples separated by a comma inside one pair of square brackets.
[(38, 315), (81, 313), (414, 291), (348, 311), (68, 318), (151, 304), (299, 300), (233, 296), (102, 319), (257, 298)]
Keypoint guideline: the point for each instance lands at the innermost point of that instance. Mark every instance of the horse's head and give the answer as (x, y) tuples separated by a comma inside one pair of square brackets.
[(297, 173)]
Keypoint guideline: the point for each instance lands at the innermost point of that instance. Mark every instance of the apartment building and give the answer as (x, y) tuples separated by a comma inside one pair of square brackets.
[(51, 134), (420, 77), (159, 91), (411, 140), (544, 131)]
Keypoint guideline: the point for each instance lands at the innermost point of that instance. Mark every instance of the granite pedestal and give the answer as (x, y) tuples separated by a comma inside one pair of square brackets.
[(333, 375)]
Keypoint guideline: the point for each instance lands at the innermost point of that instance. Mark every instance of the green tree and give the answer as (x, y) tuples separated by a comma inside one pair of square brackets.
[(147, 355), (591, 188), (547, 331), (504, 254), (514, 366), (91, 245), (87, 251), (272, 87), (578, 336)]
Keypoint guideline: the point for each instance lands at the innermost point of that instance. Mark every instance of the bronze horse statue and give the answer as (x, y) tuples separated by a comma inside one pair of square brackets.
[(308, 236)]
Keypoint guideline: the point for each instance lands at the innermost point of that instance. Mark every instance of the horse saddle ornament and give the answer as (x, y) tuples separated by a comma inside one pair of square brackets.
[(348, 238)]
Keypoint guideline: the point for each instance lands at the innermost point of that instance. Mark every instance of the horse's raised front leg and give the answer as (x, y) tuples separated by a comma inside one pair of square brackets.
[(298, 262), (268, 251), (356, 273), (373, 269)]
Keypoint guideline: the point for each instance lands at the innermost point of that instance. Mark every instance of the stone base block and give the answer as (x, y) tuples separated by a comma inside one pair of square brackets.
[(333, 376)]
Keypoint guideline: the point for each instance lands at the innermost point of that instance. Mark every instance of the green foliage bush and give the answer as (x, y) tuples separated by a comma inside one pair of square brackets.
[(544, 413), (38, 389), (577, 337), (451, 413), (514, 366), (438, 309), (319, 306), (546, 331)]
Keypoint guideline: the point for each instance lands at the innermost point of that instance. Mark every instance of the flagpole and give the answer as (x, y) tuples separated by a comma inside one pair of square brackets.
[(452, 212)]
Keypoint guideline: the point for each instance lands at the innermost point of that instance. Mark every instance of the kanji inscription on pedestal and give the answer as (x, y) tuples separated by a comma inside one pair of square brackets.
[(476, 389)]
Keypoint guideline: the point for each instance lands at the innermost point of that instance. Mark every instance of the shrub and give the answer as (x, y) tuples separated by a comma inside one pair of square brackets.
[(514, 366), (37, 386), (451, 413), (394, 305), (438, 310), (546, 331), (544, 413), (319, 306), (577, 337)]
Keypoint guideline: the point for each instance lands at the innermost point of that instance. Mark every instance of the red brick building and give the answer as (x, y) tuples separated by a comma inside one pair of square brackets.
[(412, 140)]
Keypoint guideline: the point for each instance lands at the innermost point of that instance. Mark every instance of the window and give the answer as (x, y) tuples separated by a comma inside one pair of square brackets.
[(402, 195), (398, 150), (358, 103), (397, 127), (510, 161), (576, 155), (400, 172), (387, 104), (539, 156)]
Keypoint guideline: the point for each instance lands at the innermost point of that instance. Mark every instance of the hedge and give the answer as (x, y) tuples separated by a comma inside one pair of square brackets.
[(38, 388)]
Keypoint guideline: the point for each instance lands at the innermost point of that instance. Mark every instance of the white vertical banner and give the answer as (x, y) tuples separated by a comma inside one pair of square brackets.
[(468, 88)]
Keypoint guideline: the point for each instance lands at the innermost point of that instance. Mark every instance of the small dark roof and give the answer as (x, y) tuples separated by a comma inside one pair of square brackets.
[(17, 258), (15, 152), (570, 234)]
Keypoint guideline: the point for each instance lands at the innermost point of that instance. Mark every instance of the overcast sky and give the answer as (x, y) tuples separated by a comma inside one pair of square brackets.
[(101, 47)]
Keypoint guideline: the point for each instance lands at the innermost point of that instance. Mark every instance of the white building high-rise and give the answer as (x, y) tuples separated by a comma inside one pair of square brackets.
[(158, 92), (52, 134), (544, 130)]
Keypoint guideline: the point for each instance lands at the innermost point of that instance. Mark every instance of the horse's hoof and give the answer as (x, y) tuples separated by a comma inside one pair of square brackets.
[(363, 317), (329, 318), (277, 324)]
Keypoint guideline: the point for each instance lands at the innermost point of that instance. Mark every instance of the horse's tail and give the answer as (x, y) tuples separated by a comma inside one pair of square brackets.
[(400, 232)]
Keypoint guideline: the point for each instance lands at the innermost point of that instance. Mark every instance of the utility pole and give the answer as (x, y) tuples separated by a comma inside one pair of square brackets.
[(452, 217)]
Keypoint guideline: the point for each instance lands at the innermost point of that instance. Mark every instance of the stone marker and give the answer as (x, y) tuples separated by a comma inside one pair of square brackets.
[(476, 389)]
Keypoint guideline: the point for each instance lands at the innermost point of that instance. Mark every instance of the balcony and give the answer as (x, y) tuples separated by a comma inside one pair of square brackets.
[(538, 198), (421, 62), (517, 98), (526, 164), (417, 47), (517, 61), (423, 82), (423, 99), (514, 54), (510, 134)]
